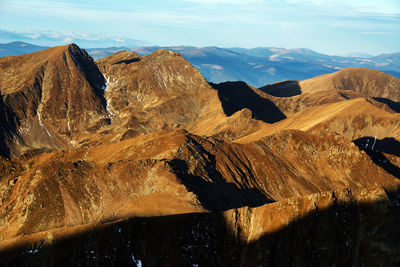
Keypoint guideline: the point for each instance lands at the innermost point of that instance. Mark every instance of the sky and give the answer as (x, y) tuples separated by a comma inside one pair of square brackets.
[(334, 27)]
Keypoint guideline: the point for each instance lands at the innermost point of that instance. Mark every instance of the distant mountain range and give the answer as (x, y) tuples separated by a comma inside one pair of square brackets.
[(56, 38), (256, 66)]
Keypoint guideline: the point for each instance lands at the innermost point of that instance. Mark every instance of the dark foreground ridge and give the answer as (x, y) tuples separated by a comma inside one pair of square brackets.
[(342, 234)]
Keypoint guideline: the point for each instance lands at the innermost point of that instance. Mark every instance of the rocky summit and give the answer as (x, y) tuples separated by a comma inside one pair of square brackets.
[(139, 161)]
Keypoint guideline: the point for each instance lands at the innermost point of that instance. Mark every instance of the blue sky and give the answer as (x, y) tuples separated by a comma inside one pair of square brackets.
[(336, 26)]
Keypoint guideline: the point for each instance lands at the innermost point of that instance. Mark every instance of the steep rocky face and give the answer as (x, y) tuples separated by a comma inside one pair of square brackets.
[(50, 98)]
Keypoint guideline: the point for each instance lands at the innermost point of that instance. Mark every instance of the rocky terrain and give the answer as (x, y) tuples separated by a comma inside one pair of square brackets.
[(138, 160)]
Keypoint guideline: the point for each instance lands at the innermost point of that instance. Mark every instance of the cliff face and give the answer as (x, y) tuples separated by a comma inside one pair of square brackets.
[(138, 158)]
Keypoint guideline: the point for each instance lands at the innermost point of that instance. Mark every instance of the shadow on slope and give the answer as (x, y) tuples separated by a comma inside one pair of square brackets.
[(375, 149), (126, 61), (7, 127), (344, 234), (391, 104), (282, 89), (235, 96), (213, 192), (217, 195), (90, 70)]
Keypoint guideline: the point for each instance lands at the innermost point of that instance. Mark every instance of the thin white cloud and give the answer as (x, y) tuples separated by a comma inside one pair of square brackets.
[(179, 17), (356, 6), (381, 33), (215, 22), (71, 36), (222, 2), (34, 36), (246, 12)]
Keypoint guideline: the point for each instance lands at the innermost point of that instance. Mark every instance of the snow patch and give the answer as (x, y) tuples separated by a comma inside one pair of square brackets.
[(382, 64), (274, 57), (364, 60), (108, 83), (32, 251), (105, 87), (270, 71), (137, 262), (213, 66), (24, 129), (366, 144), (11, 133), (217, 67), (373, 145), (43, 126), (109, 109)]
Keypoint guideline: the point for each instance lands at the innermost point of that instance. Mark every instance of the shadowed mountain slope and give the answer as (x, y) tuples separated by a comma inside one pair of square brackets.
[(238, 95), (340, 227)]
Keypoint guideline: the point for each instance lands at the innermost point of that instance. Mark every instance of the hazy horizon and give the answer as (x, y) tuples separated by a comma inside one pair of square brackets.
[(328, 27)]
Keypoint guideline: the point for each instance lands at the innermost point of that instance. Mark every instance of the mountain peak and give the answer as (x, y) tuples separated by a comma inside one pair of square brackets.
[(165, 52), (52, 92)]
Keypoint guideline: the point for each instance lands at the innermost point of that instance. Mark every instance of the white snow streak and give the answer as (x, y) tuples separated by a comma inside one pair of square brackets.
[(105, 87), (373, 144), (43, 126), (108, 108), (138, 262)]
